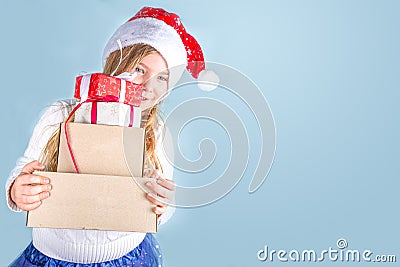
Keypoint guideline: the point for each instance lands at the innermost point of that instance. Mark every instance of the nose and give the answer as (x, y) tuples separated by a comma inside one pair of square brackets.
[(143, 80), (148, 85)]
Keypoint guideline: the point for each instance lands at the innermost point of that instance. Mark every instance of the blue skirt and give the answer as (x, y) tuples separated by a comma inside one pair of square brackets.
[(147, 254)]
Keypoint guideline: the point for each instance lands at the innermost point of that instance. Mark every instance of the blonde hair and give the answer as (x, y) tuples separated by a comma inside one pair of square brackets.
[(131, 57)]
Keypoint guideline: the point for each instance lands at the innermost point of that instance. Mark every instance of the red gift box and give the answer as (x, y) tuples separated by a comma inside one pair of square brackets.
[(103, 87)]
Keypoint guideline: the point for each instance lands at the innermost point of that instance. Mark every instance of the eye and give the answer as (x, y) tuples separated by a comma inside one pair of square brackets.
[(139, 70), (163, 78)]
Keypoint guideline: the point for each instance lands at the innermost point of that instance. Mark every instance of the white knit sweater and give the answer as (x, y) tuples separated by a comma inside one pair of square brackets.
[(79, 246)]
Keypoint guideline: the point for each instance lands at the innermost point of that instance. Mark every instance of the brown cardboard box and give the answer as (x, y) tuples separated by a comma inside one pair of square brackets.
[(104, 195), (101, 149), (100, 202)]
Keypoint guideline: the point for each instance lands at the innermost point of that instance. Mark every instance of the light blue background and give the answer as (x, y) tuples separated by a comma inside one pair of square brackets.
[(330, 71)]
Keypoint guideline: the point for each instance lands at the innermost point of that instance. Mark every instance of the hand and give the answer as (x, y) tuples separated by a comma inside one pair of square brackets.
[(162, 189), (28, 190)]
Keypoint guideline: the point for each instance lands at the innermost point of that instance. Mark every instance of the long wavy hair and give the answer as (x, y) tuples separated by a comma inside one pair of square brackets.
[(131, 57)]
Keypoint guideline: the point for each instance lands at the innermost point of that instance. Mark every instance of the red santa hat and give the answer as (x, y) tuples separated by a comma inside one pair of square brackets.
[(164, 32)]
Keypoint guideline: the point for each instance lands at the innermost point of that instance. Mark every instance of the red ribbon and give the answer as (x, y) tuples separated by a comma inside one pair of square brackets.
[(131, 116), (110, 98), (93, 116), (66, 135)]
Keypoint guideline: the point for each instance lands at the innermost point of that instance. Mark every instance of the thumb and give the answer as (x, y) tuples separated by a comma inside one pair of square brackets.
[(32, 166)]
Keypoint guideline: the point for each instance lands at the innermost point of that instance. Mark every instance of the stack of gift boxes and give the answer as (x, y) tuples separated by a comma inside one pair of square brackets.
[(99, 179)]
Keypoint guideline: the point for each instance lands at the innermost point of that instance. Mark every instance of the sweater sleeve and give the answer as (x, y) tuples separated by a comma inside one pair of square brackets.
[(43, 130), (165, 153)]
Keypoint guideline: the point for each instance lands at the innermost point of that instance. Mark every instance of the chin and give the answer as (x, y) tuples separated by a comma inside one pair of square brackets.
[(146, 107)]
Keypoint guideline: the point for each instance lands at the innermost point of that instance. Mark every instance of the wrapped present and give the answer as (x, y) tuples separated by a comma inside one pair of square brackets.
[(108, 113), (103, 87)]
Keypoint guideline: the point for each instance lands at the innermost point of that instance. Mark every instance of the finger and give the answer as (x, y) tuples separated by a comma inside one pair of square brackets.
[(163, 192), (31, 190), (157, 173), (35, 198), (154, 199), (159, 210), (28, 207), (171, 181), (154, 173), (32, 166), (27, 179), (166, 183)]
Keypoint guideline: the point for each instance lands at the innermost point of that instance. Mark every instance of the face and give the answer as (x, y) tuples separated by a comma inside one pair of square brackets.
[(152, 73)]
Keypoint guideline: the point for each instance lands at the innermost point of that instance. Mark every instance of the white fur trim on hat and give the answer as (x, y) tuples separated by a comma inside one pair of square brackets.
[(155, 33)]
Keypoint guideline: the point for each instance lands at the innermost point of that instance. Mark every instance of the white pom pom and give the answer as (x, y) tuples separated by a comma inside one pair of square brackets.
[(208, 80)]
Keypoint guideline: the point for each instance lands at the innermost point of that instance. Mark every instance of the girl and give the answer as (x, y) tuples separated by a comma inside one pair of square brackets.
[(149, 44)]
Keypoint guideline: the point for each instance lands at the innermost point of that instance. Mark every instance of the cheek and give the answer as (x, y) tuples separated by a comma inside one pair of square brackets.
[(139, 79), (161, 90)]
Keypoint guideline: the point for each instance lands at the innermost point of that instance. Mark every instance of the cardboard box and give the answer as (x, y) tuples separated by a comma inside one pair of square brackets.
[(104, 195), (102, 149), (99, 202)]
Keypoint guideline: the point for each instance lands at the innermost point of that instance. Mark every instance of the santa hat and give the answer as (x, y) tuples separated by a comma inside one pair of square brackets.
[(164, 32)]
